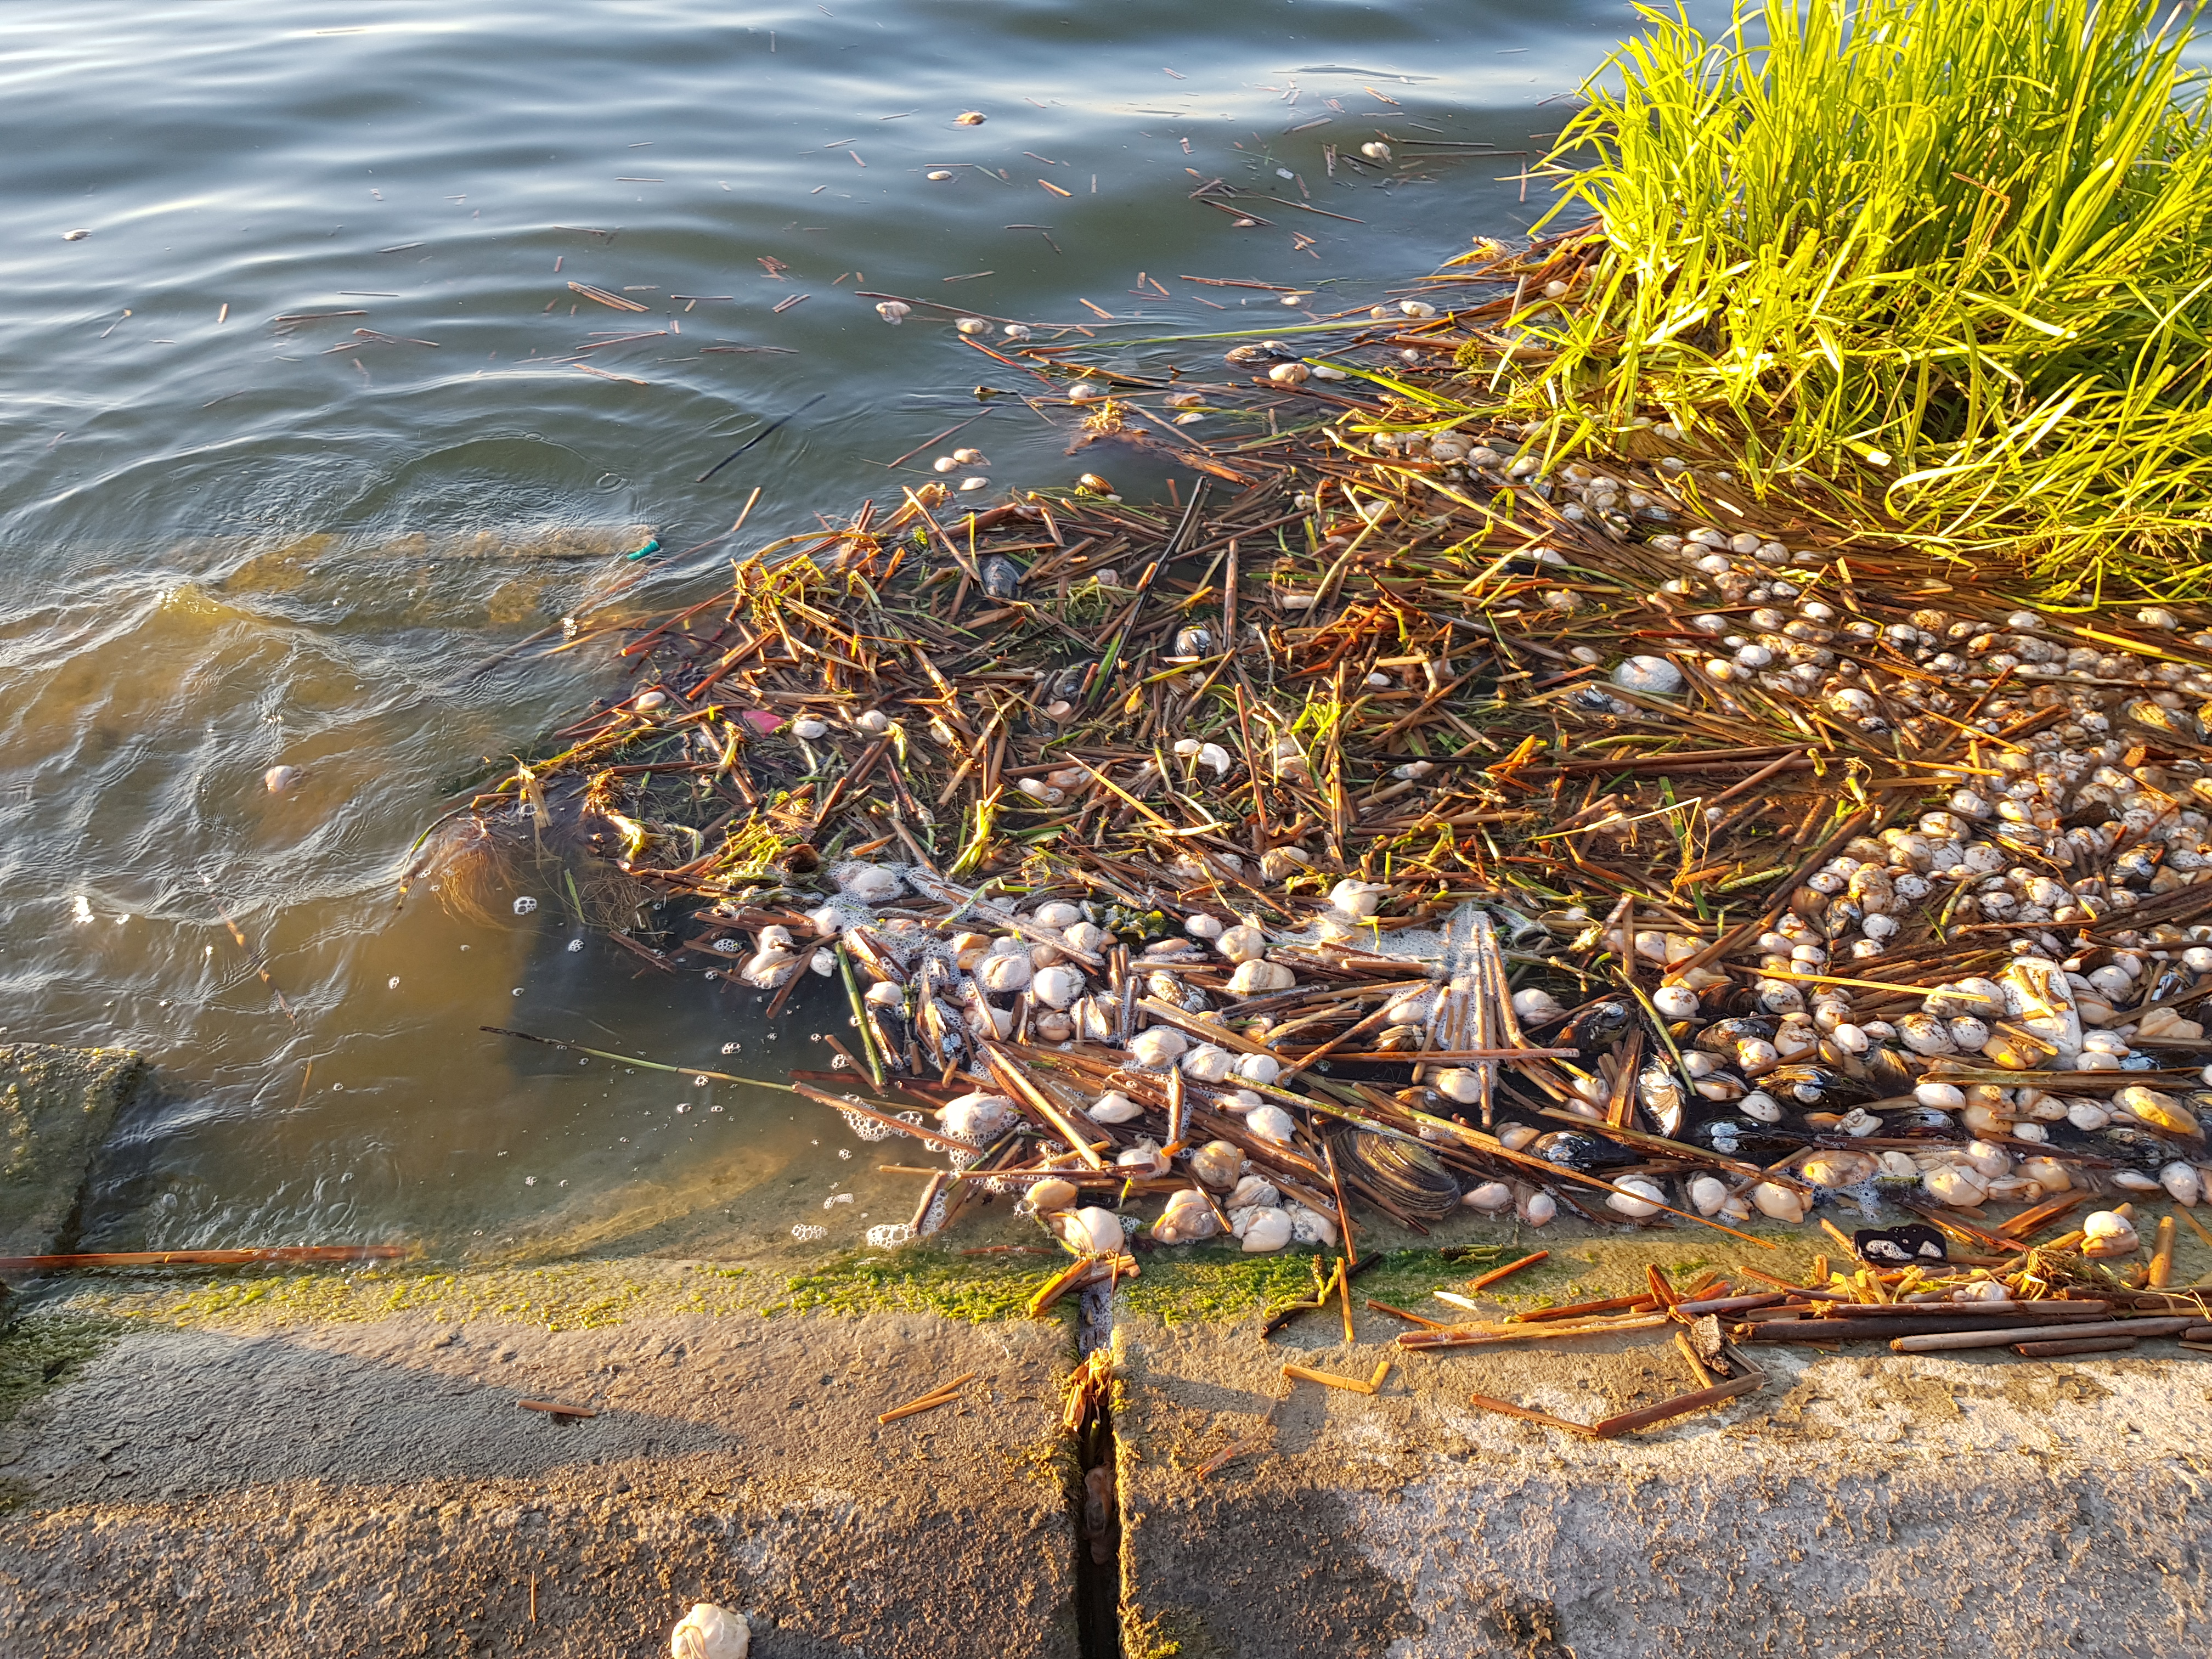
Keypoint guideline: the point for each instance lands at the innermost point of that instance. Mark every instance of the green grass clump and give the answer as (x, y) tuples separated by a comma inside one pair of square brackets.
[(1953, 255)]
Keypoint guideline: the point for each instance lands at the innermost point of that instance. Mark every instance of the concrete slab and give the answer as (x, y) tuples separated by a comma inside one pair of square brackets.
[(56, 1105), (1859, 1506), (374, 1488)]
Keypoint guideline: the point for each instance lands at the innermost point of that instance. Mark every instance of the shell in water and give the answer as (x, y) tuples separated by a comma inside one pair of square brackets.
[(1411, 1178), (894, 311), (710, 1632), (978, 1118), (279, 780), (1095, 484)]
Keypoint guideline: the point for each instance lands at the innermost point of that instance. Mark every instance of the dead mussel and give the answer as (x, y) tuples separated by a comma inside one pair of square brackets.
[(1815, 1087), (1571, 1149), (1596, 1026), (1410, 1177)]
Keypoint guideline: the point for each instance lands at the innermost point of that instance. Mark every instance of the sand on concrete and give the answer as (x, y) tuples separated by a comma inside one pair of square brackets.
[(374, 1489), (1873, 1505)]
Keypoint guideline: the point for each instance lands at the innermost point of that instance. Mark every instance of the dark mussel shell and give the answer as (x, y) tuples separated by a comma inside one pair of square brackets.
[(2171, 984), (1410, 1177), (1722, 1037), (1002, 577), (1571, 1149), (1802, 1085), (2129, 1147), (1898, 1247), (1886, 1070), (1747, 1139), (1596, 1025)]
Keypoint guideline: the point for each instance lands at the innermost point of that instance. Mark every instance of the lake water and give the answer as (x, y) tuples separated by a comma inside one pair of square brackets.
[(236, 541)]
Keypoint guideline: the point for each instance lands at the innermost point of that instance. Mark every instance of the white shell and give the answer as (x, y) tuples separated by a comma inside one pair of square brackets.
[(978, 1118), (1490, 1197), (1256, 978), (1650, 1199), (1092, 1229), (708, 1631), (1782, 1203), (1707, 1193), (1271, 1123), (2182, 1182), (871, 883), (1158, 1046), (1262, 1227), (1087, 936), (1676, 1001), (1048, 1196), (1258, 1068), (1956, 1183), (1653, 674), (1006, 973), (769, 969), (1056, 915), (1114, 1107), (1208, 1064), (1056, 987), (279, 780), (1242, 943), (1203, 927), (1536, 1208), (894, 311), (883, 993), (1188, 1218), (2108, 1234), (874, 721), (1310, 1226), (1460, 1083), (1251, 1190), (1533, 1005), (1357, 900)]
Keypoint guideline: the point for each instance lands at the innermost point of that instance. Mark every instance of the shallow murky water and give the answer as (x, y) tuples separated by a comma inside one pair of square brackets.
[(295, 445)]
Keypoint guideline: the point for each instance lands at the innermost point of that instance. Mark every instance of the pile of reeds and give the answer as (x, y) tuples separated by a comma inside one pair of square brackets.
[(1401, 821)]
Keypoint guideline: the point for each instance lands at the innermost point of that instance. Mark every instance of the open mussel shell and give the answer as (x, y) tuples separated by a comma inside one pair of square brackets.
[(1815, 1086), (1722, 1037), (1410, 1177), (1885, 1071), (1597, 1025), (1733, 1135), (2126, 1145), (1573, 1150)]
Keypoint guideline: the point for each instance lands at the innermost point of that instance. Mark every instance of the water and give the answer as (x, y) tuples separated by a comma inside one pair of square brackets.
[(238, 542)]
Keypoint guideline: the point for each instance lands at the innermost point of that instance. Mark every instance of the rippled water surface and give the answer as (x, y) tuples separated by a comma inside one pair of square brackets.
[(294, 442)]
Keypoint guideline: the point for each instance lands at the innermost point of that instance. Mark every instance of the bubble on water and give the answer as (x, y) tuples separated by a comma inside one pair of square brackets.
[(575, 944), (699, 1081), (81, 907), (844, 1151), (889, 1235), (525, 905), (530, 1181), (731, 1048), (807, 1232), (517, 990), (685, 1107), (391, 984), (714, 1108)]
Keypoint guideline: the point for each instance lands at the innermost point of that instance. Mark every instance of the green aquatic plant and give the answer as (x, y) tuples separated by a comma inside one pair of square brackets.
[(1948, 258)]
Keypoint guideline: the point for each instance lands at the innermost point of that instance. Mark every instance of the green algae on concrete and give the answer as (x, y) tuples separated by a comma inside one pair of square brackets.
[(917, 1280), (56, 1105)]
